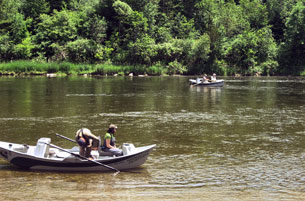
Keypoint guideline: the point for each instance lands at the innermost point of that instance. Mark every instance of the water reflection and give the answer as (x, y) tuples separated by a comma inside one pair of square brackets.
[(210, 95)]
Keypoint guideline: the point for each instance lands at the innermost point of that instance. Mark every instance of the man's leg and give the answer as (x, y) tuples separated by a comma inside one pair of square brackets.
[(87, 152), (82, 151)]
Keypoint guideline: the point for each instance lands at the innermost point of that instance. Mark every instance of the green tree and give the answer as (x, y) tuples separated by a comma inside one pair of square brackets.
[(9, 8), (176, 67), (150, 12), (199, 55), (255, 11), (251, 52), (139, 5), (92, 27), (105, 9), (231, 20), (132, 28), (276, 19), (208, 20), (98, 28), (189, 8), (206, 14), (54, 31), (136, 26), (18, 29), (5, 47), (24, 49), (84, 5), (278, 12), (34, 8), (181, 27), (81, 51), (122, 11), (163, 32), (142, 51), (171, 7), (168, 52), (60, 4), (293, 50)]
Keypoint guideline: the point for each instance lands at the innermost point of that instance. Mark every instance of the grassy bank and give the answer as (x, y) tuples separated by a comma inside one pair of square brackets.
[(65, 68), (21, 67)]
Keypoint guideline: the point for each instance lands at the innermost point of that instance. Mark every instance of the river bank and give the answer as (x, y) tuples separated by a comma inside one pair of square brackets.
[(25, 68)]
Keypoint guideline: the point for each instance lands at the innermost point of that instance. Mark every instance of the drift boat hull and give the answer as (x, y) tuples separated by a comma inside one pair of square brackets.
[(52, 159)]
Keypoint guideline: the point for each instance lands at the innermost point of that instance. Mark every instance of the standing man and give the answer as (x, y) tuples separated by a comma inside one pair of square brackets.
[(109, 141), (86, 140)]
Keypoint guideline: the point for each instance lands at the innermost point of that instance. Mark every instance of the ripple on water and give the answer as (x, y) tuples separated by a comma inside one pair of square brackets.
[(265, 172)]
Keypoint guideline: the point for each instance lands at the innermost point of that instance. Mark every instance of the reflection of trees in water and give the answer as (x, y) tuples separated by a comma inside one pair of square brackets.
[(209, 94)]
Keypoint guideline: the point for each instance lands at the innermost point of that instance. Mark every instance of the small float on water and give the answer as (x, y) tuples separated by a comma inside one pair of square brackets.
[(49, 157), (199, 82)]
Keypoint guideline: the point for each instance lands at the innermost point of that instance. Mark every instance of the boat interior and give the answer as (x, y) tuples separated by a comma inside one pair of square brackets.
[(44, 150)]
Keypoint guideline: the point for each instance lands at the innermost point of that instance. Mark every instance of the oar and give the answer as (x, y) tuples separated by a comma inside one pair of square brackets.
[(82, 157), (65, 137)]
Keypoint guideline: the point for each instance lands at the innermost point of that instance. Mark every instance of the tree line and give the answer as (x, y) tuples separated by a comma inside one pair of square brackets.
[(183, 36)]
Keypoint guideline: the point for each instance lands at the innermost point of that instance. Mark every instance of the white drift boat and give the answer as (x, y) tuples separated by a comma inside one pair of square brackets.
[(198, 82), (46, 156)]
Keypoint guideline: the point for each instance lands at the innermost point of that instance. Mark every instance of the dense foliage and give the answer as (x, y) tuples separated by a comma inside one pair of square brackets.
[(183, 36)]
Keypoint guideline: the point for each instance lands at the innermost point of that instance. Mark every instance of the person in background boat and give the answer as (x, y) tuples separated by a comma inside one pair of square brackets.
[(213, 78), (205, 78), (109, 141), (86, 140)]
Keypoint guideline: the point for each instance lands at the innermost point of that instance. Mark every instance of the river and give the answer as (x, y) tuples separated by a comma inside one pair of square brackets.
[(242, 141)]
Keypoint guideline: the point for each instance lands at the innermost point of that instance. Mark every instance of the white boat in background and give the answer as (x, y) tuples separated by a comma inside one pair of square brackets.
[(49, 157), (198, 82)]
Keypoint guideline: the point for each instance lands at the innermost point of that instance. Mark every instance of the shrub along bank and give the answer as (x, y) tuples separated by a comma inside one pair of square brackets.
[(66, 68)]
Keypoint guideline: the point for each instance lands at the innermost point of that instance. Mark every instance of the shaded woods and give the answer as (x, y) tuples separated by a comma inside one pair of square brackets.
[(227, 37)]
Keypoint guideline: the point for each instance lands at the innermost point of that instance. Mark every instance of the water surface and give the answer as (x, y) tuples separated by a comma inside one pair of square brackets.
[(242, 141)]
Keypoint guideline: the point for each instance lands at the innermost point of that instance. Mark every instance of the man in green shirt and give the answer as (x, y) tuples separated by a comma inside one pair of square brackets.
[(109, 141)]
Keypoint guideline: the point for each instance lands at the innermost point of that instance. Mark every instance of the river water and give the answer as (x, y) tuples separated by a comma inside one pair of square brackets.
[(242, 141)]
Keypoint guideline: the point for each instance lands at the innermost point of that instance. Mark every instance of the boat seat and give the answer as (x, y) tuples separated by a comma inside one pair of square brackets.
[(42, 147), (99, 149), (21, 148)]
